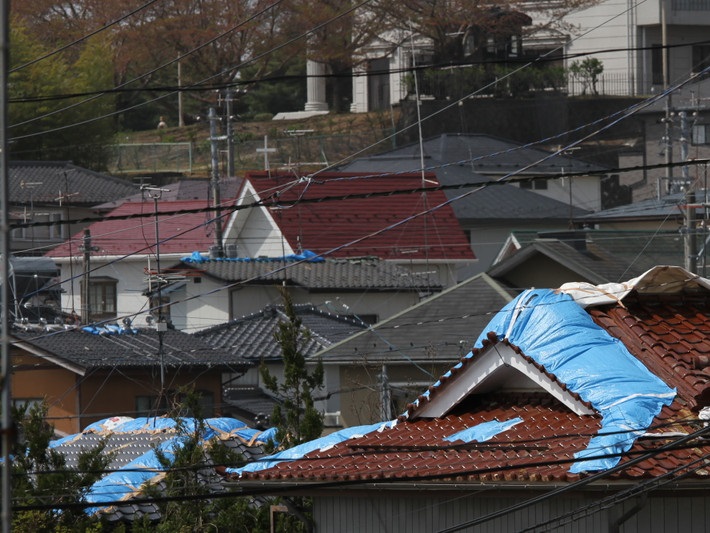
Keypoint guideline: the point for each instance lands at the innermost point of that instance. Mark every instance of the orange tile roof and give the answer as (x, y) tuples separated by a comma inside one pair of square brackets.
[(670, 335)]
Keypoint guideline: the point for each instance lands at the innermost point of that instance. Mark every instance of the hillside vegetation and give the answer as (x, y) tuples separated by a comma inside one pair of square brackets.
[(307, 143)]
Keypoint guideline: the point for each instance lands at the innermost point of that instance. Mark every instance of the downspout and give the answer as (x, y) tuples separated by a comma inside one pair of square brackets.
[(615, 526)]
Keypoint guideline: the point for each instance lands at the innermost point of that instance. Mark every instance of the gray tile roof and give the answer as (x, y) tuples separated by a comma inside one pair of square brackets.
[(345, 274), (250, 403), (252, 337), (599, 256), (50, 179), (440, 328), (139, 348), (187, 189)]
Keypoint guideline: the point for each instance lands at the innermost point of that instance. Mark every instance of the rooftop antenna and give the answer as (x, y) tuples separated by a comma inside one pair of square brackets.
[(421, 145)]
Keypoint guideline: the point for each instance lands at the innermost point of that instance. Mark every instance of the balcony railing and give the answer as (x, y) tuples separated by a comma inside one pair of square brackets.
[(458, 83), (689, 5)]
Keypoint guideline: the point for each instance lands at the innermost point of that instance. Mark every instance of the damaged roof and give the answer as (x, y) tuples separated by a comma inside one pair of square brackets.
[(356, 274), (130, 443), (561, 384)]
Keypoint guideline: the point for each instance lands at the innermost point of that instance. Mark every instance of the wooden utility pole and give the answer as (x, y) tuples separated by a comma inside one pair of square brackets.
[(87, 248), (6, 428), (217, 249)]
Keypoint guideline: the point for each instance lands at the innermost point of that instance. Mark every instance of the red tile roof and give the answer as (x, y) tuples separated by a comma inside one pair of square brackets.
[(669, 334), (329, 225), (179, 233)]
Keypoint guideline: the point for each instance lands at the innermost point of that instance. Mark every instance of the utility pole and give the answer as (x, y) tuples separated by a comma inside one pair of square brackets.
[(181, 120), (156, 193), (87, 248), (668, 118), (690, 244), (230, 135), (385, 395), (217, 249), (6, 428)]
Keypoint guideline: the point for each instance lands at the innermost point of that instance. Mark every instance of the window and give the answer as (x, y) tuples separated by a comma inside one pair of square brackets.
[(26, 403), (102, 298), (54, 231), (538, 184), (701, 57), (657, 64), (700, 134)]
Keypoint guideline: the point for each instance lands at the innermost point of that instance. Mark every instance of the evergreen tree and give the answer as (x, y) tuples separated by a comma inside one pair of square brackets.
[(41, 477), (298, 420)]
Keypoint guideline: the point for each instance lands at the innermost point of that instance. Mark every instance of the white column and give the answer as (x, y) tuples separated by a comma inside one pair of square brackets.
[(315, 87)]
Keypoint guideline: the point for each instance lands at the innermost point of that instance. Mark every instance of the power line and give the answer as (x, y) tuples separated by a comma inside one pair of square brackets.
[(105, 27), (578, 484), (639, 456), (278, 202), (201, 87)]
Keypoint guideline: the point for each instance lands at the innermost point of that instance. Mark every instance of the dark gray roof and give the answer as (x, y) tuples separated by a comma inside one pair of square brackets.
[(251, 404), (43, 182), (497, 203), (188, 189), (483, 154), (663, 208), (449, 157), (252, 337), (599, 256), (342, 274), (440, 328), (82, 350)]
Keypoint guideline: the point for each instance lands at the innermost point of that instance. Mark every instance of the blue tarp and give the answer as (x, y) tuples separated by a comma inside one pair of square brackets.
[(307, 255), (558, 334), (129, 479), (297, 452), (483, 432)]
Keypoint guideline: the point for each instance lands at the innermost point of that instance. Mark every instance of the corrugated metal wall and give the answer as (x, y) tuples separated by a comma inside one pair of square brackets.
[(416, 512)]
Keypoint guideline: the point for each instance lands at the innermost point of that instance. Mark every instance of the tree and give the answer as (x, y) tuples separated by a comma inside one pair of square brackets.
[(587, 72), (456, 29), (213, 38), (40, 476), (298, 421), (36, 102)]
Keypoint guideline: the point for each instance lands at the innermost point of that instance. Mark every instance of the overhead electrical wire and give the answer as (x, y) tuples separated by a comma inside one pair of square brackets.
[(634, 458), (232, 68), (156, 69), (271, 202), (83, 38)]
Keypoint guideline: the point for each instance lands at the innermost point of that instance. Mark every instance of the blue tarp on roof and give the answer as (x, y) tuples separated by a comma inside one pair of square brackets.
[(297, 452), (558, 334), (307, 255), (130, 478), (484, 431)]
